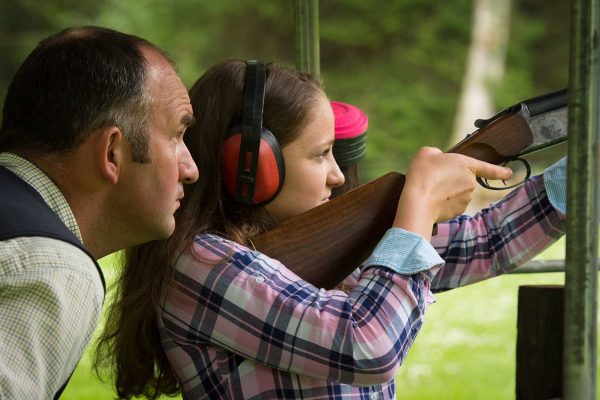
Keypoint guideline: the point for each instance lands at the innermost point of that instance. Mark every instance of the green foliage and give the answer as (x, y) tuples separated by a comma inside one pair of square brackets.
[(401, 61), (538, 53)]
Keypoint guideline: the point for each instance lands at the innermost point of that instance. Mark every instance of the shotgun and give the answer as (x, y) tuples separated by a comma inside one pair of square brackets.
[(327, 243)]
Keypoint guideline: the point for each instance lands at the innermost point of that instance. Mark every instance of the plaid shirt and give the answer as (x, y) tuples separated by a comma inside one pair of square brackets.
[(238, 325), (50, 300)]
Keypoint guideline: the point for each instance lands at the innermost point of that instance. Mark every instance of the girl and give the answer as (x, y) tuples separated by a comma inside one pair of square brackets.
[(204, 314)]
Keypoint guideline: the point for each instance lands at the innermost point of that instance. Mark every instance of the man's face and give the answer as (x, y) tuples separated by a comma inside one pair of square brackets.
[(153, 189)]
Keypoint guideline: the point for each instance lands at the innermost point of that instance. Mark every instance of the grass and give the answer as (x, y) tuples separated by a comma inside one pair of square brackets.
[(465, 350)]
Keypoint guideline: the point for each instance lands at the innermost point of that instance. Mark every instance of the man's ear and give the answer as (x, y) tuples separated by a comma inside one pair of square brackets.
[(113, 152)]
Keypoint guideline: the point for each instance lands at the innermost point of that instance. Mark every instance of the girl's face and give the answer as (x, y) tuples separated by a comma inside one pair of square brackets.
[(310, 169)]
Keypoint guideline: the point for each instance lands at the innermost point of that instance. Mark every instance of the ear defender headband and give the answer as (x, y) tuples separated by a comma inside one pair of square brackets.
[(253, 168)]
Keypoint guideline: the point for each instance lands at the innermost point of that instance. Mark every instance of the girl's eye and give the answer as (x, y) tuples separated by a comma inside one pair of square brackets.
[(326, 152)]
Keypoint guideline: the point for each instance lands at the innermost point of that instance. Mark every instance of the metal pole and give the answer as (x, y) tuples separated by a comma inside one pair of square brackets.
[(541, 266), (306, 13), (579, 362)]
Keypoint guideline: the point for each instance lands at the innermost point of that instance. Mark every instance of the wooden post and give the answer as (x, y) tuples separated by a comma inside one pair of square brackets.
[(581, 276), (306, 14), (540, 342)]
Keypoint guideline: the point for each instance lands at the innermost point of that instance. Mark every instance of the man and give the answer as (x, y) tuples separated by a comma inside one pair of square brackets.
[(91, 161)]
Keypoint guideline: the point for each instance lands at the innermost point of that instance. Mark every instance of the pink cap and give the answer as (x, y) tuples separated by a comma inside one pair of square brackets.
[(350, 121)]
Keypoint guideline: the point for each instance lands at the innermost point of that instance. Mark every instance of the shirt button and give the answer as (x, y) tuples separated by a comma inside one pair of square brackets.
[(374, 395), (259, 279)]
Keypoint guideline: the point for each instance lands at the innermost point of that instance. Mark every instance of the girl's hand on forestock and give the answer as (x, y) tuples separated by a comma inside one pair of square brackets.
[(439, 186)]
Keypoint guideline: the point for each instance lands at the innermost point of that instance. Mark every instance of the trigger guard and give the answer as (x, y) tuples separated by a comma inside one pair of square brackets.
[(484, 182)]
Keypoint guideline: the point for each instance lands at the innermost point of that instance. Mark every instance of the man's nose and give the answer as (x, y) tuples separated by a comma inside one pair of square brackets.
[(188, 171)]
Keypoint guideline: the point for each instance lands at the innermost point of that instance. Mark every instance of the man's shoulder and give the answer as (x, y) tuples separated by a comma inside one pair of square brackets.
[(51, 298), (46, 256)]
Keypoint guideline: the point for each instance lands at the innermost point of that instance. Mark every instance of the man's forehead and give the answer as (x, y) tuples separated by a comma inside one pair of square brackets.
[(158, 67), (163, 82), (170, 98), (160, 75)]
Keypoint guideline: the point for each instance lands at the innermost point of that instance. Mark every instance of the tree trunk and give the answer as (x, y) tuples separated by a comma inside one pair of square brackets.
[(485, 70)]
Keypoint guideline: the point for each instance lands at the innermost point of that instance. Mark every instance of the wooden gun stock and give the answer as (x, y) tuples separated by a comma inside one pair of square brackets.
[(324, 245)]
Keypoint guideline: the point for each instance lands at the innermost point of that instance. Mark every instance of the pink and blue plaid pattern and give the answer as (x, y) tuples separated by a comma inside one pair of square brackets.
[(238, 325)]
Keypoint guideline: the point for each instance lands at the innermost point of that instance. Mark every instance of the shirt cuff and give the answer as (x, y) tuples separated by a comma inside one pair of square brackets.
[(404, 252), (555, 181)]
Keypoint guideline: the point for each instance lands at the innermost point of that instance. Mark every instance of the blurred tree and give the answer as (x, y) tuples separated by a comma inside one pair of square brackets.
[(23, 23), (485, 64), (401, 61)]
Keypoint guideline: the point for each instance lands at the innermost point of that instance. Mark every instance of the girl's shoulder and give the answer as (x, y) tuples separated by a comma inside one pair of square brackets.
[(213, 249), (207, 251), (215, 241)]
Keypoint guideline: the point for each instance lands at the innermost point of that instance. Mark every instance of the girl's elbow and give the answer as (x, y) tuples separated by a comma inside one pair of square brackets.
[(384, 374), (388, 374)]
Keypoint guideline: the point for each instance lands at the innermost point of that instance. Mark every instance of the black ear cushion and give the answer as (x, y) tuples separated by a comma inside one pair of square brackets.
[(270, 172)]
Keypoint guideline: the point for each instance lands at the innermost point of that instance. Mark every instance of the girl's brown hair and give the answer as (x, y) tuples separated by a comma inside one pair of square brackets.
[(129, 345)]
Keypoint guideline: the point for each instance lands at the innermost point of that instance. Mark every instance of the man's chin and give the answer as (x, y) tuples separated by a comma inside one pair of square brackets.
[(169, 230), (165, 231)]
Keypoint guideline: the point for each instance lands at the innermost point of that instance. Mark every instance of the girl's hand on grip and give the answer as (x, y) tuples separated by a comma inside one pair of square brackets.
[(439, 186)]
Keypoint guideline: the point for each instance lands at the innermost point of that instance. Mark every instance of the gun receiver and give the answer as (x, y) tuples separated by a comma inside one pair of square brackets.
[(324, 245), (522, 129)]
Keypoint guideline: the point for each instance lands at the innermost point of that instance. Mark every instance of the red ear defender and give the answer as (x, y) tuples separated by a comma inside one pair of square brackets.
[(270, 170), (253, 168)]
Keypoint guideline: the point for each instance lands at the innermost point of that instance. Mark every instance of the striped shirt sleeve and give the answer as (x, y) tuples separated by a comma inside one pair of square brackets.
[(499, 238)]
